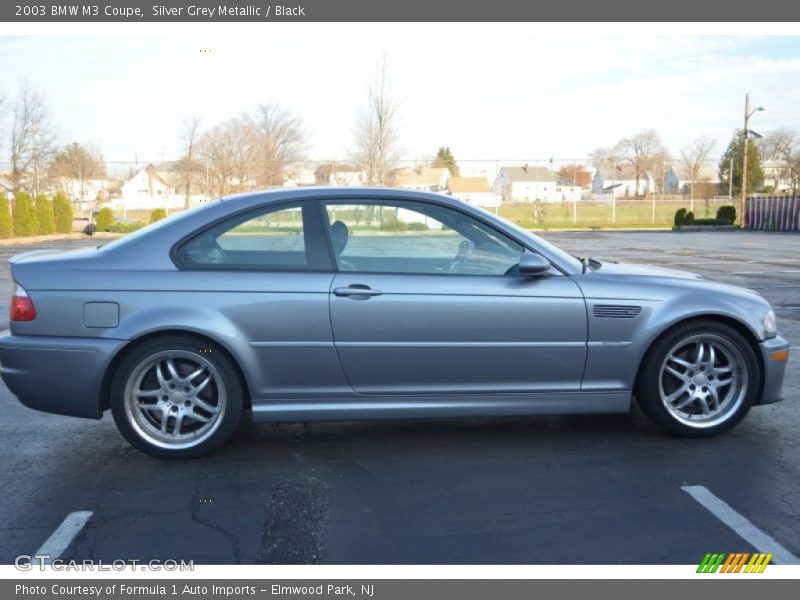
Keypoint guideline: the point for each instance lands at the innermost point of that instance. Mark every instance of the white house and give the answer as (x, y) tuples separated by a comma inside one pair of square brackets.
[(620, 182), (424, 179), (339, 174), (776, 174), (299, 177), (473, 190), (147, 190), (528, 184)]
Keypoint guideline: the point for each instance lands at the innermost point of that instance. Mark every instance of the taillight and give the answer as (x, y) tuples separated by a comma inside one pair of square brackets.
[(22, 308)]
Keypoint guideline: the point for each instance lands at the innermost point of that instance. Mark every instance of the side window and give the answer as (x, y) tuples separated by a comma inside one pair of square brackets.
[(273, 238), (410, 237)]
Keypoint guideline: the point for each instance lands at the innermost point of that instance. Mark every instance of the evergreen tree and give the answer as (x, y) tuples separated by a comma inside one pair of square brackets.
[(6, 226), (24, 215), (444, 159), (157, 215), (755, 171), (45, 218), (62, 210), (105, 219)]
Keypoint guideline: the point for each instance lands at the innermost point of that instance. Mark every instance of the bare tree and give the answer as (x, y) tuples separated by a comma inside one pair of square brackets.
[(782, 146), (78, 163), (33, 138), (376, 136), (639, 151), (228, 150), (189, 134), (693, 157), (279, 141)]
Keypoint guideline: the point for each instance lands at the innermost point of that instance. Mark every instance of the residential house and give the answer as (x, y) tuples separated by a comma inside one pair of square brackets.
[(473, 190), (299, 177), (776, 174), (529, 184), (339, 174), (148, 189), (671, 183), (82, 191), (424, 179), (620, 181)]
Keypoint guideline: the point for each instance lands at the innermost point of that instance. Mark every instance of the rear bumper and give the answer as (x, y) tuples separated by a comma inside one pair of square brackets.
[(55, 374), (772, 388)]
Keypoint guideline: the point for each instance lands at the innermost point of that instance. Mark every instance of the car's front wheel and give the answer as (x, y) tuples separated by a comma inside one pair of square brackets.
[(699, 380), (176, 397)]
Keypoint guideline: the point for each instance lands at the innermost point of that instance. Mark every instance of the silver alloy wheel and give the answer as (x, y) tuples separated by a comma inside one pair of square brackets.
[(175, 399), (703, 380)]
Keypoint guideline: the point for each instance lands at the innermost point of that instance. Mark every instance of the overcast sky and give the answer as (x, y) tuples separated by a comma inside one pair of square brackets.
[(489, 91)]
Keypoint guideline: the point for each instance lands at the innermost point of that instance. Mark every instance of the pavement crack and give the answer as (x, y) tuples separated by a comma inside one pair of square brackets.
[(194, 504)]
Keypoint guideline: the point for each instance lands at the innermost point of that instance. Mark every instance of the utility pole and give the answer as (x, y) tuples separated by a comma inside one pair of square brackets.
[(747, 114), (743, 217)]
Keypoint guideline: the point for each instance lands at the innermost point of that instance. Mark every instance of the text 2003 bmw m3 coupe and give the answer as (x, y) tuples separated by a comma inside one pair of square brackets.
[(323, 304)]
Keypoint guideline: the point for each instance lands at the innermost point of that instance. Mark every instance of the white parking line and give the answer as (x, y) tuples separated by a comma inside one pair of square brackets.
[(62, 537), (741, 525)]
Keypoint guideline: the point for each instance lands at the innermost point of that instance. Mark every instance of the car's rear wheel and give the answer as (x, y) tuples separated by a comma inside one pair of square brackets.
[(699, 380), (176, 397)]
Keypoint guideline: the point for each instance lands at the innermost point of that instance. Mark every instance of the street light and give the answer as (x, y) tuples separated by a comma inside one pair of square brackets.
[(747, 114)]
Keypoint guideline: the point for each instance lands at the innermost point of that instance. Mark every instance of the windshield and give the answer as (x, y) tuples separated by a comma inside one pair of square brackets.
[(549, 248)]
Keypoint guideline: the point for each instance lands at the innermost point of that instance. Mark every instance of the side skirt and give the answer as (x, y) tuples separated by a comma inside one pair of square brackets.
[(425, 407)]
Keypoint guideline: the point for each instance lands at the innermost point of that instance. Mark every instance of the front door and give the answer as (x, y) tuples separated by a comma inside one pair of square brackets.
[(427, 301)]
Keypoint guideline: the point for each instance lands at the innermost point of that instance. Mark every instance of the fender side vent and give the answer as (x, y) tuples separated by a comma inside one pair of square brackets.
[(616, 311)]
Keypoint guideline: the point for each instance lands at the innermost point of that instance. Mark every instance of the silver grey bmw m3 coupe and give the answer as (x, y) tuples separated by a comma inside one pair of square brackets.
[(324, 304)]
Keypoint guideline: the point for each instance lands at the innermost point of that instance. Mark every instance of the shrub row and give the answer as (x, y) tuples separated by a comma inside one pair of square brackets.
[(105, 221), (726, 215), (41, 216)]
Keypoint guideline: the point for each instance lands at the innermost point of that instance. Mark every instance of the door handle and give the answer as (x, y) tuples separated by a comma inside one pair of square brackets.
[(356, 289)]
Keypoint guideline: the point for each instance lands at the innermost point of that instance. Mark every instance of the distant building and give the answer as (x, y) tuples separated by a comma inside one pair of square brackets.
[(776, 174), (672, 183), (85, 191), (424, 179), (529, 184), (620, 181), (473, 190), (148, 189), (339, 174), (299, 177)]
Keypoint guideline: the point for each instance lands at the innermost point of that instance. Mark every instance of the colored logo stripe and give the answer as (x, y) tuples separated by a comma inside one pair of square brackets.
[(734, 562)]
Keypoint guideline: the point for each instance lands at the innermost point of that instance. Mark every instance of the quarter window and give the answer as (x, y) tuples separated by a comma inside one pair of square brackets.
[(271, 239)]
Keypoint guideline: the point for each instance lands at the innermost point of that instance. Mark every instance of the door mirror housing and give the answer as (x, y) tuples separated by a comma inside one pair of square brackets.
[(533, 265)]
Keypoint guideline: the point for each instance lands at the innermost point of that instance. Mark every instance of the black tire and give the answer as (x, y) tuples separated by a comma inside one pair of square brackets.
[(140, 427), (651, 382)]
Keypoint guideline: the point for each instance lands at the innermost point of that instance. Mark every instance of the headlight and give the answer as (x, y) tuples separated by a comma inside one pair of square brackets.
[(770, 324)]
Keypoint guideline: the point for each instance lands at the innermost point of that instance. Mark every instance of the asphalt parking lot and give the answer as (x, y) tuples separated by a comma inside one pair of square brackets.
[(594, 489)]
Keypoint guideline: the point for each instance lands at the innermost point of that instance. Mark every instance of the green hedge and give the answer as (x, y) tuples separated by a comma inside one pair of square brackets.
[(125, 227), (104, 219), (726, 215), (682, 217), (24, 215), (62, 213), (45, 217), (157, 215), (6, 226)]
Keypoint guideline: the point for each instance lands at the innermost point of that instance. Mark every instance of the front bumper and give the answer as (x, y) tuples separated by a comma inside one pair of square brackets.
[(56, 374), (772, 385)]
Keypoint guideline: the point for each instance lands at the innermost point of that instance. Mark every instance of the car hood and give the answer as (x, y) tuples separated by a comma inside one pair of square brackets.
[(650, 276), (612, 268)]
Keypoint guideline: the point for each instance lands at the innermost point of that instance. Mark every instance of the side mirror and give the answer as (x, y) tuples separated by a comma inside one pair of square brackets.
[(531, 265)]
